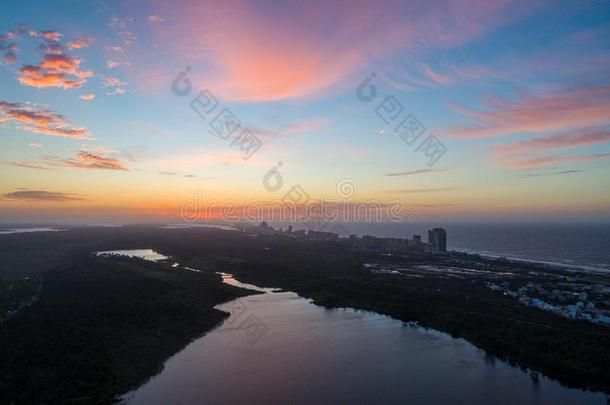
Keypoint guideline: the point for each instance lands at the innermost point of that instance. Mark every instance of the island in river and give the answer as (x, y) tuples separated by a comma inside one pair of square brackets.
[(102, 325)]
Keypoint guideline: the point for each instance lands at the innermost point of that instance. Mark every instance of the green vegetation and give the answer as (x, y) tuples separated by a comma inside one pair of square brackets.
[(103, 326)]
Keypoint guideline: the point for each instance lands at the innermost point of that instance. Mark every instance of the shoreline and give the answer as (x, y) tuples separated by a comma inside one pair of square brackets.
[(562, 266)]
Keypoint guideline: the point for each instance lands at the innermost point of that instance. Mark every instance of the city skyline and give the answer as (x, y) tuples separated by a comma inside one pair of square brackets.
[(99, 120)]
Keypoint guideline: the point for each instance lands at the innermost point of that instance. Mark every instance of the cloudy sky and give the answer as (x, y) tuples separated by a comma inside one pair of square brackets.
[(466, 109)]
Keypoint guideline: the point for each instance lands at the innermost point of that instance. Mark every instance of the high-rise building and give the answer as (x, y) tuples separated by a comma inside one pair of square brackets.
[(437, 238)]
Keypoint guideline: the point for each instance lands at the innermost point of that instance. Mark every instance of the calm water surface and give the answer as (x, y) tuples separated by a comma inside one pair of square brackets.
[(147, 254), (311, 355)]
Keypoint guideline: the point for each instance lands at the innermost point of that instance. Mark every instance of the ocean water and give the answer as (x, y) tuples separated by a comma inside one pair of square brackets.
[(578, 245)]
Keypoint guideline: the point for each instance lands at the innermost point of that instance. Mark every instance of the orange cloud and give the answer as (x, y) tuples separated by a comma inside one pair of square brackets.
[(34, 76), (76, 133), (87, 97), (36, 119), (558, 111), (58, 63), (55, 70)]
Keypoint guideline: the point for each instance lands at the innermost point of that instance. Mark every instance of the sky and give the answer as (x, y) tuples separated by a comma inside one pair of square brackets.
[(462, 110)]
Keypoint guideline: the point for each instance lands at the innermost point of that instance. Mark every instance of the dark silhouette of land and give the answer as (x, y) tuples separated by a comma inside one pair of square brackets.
[(101, 325)]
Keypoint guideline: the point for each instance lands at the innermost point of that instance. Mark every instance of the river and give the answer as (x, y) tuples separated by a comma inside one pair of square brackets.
[(277, 348)]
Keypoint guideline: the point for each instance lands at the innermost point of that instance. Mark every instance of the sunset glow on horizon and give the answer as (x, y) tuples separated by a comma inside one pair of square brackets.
[(110, 111)]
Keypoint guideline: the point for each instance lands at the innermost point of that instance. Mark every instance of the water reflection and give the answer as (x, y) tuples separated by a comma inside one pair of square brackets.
[(147, 254), (314, 355)]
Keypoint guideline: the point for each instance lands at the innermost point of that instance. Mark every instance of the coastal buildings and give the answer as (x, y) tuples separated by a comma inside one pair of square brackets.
[(437, 239)]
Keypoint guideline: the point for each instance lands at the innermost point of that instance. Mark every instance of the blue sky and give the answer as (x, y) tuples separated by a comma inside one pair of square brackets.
[(516, 95)]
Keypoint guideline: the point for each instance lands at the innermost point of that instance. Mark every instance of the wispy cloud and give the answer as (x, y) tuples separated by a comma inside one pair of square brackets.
[(285, 129), (288, 54), (33, 118), (414, 172), (115, 85), (50, 35), (568, 109), (27, 165), (435, 76), (86, 160), (416, 190), (154, 19), (79, 43), (111, 63), (553, 160), (556, 173), (188, 175), (553, 142), (39, 195)]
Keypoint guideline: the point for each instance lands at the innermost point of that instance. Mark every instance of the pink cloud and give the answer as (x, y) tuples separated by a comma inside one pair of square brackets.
[(87, 97), (272, 52), (553, 142), (51, 35), (567, 109), (551, 160), (79, 43), (9, 57), (435, 76)]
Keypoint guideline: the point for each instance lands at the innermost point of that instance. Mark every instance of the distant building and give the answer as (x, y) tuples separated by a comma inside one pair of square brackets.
[(437, 238), (289, 228), (316, 235), (396, 244), (416, 239), (373, 241)]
